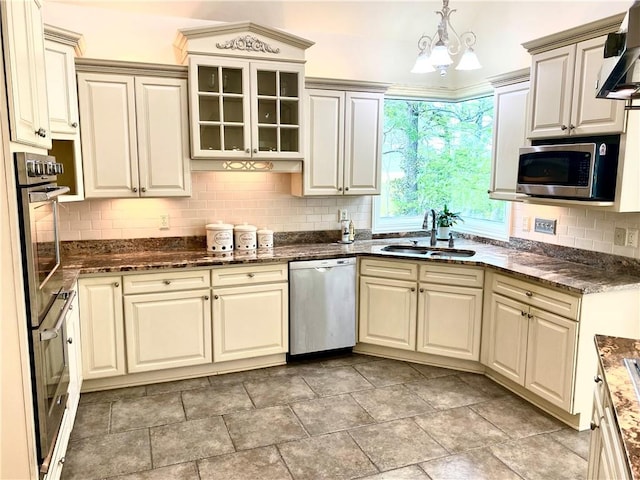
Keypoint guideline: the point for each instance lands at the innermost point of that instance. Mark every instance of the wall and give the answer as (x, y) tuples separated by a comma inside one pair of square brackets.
[(261, 199)]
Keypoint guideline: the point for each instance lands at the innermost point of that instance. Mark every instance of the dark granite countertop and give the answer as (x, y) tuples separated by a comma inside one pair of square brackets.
[(573, 277), (612, 351)]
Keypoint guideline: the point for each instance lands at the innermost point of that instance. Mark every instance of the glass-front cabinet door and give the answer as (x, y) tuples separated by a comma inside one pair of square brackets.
[(220, 117), (277, 110)]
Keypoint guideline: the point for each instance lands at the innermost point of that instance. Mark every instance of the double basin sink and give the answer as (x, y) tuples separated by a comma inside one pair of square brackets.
[(433, 252)]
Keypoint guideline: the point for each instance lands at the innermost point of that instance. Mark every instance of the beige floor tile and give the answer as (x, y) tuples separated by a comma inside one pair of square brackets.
[(412, 472), (391, 403), (472, 465), (278, 391), (266, 426), (211, 401), (133, 413), (261, 463), (331, 414), (447, 392), (333, 381), (181, 471), (388, 372)]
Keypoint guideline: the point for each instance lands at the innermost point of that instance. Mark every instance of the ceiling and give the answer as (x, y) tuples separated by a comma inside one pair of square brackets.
[(361, 40)]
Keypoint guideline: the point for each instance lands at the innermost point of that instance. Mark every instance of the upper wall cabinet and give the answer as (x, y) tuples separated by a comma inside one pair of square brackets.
[(134, 130), (23, 47), (246, 86), (343, 126), (564, 71), (509, 132), (61, 48)]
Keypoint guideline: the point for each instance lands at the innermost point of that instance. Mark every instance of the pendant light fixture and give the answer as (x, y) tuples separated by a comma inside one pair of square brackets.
[(437, 53)]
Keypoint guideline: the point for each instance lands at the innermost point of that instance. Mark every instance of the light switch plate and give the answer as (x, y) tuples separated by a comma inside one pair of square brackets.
[(543, 225), (620, 236)]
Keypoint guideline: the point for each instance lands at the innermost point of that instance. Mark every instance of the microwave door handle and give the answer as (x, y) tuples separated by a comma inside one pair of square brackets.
[(51, 333), (47, 195)]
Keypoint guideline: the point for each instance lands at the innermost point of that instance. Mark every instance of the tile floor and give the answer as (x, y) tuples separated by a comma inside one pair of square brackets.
[(352, 416)]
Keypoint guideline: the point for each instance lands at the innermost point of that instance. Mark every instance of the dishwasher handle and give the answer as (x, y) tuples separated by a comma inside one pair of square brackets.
[(326, 263)]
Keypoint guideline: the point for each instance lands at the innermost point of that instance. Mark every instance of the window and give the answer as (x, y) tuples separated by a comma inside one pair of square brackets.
[(437, 153)]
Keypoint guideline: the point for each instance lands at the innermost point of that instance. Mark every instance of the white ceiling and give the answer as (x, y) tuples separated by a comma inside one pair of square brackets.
[(362, 40)]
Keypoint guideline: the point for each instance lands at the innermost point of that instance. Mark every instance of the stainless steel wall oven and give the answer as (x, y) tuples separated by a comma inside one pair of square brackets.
[(47, 304)]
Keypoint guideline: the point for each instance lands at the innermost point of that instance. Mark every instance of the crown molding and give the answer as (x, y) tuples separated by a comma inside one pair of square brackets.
[(95, 65), (448, 94), (338, 84), (65, 37), (510, 78)]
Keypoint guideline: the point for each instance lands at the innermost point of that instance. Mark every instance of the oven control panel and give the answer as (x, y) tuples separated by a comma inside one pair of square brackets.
[(35, 169), (38, 168)]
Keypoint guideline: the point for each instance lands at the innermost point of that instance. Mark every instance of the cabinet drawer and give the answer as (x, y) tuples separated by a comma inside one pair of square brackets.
[(389, 269), (249, 274), (460, 276), (167, 281), (536, 295)]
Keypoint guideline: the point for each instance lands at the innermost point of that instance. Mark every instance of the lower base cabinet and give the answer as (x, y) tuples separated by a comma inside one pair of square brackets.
[(250, 321), (606, 455), (167, 330)]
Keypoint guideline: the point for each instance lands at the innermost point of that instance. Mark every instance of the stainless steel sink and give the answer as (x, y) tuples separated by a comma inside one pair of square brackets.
[(429, 251)]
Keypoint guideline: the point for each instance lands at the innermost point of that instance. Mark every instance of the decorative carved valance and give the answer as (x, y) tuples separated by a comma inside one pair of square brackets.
[(249, 44)]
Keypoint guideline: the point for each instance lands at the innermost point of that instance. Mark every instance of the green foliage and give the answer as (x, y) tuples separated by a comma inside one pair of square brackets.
[(447, 218), (437, 153)]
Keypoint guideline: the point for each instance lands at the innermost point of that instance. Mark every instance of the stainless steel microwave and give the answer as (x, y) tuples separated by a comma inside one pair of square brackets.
[(577, 168)]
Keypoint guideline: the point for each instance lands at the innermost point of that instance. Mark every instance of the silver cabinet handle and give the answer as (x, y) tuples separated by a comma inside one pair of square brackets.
[(571, 127), (255, 150), (69, 340), (41, 132), (216, 297), (528, 293), (339, 189), (62, 460), (143, 189), (206, 297), (135, 189), (116, 284), (346, 189), (523, 313), (529, 316), (251, 275), (563, 127), (593, 425), (413, 289), (597, 379), (422, 290), (247, 150), (74, 125), (167, 282)]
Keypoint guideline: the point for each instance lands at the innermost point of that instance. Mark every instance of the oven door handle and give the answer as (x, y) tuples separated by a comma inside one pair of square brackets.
[(51, 333), (46, 195)]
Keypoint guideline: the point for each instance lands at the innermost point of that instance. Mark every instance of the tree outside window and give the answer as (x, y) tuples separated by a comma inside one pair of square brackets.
[(437, 153)]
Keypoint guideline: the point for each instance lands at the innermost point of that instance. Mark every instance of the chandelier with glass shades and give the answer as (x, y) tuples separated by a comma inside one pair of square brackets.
[(435, 53)]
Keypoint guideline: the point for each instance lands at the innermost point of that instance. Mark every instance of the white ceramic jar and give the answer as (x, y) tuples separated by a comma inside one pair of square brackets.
[(219, 237), (265, 238), (245, 237)]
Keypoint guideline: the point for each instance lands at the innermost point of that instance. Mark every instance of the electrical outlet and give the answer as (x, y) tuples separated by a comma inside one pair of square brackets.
[(620, 236), (526, 224), (164, 221), (343, 214), (632, 237)]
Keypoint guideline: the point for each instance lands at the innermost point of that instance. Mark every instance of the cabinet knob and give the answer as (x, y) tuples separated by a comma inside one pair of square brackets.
[(422, 290), (116, 284), (167, 282), (143, 189), (339, 189), (62, 460), (346, 189), (597, 379), (255, 150), (206, 297), (571, 127), (413, 289), (216, 297), (74, 125), (69, 340), (135, 189), (528, 293), (41, 132), (523, 313), (489, 192), (563, 127), (247, 150), (251, 275), (593, 425), (529, 315)]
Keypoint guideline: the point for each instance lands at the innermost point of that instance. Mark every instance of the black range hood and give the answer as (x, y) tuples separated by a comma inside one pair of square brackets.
[(620, 73)]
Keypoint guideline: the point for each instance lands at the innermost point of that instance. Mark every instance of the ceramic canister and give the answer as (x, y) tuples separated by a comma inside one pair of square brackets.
[(245, 237), (265, 238), (219, 237)]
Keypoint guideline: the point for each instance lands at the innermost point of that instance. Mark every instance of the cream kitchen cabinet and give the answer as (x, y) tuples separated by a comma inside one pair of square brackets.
[(450, 311), (61, 47), (606, 452), (562, 99), (250, 311), (101, 327), (245, 110), (134, 135), (344, 140), (509, 132), (530, 345), (167, 320), (23, 47), (419, 307)]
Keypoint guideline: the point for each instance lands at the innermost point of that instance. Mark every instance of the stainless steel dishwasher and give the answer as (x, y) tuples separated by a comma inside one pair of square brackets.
[(322, 305)]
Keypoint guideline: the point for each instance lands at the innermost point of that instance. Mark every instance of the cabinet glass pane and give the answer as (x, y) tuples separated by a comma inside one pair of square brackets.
[(231, 80), (288, 84), (233, 138), (208, 78), (289, 112), (289, 140), (209, 108), (267, 139), (266, 83), (266, 111), (210, 137), (232, 109)]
